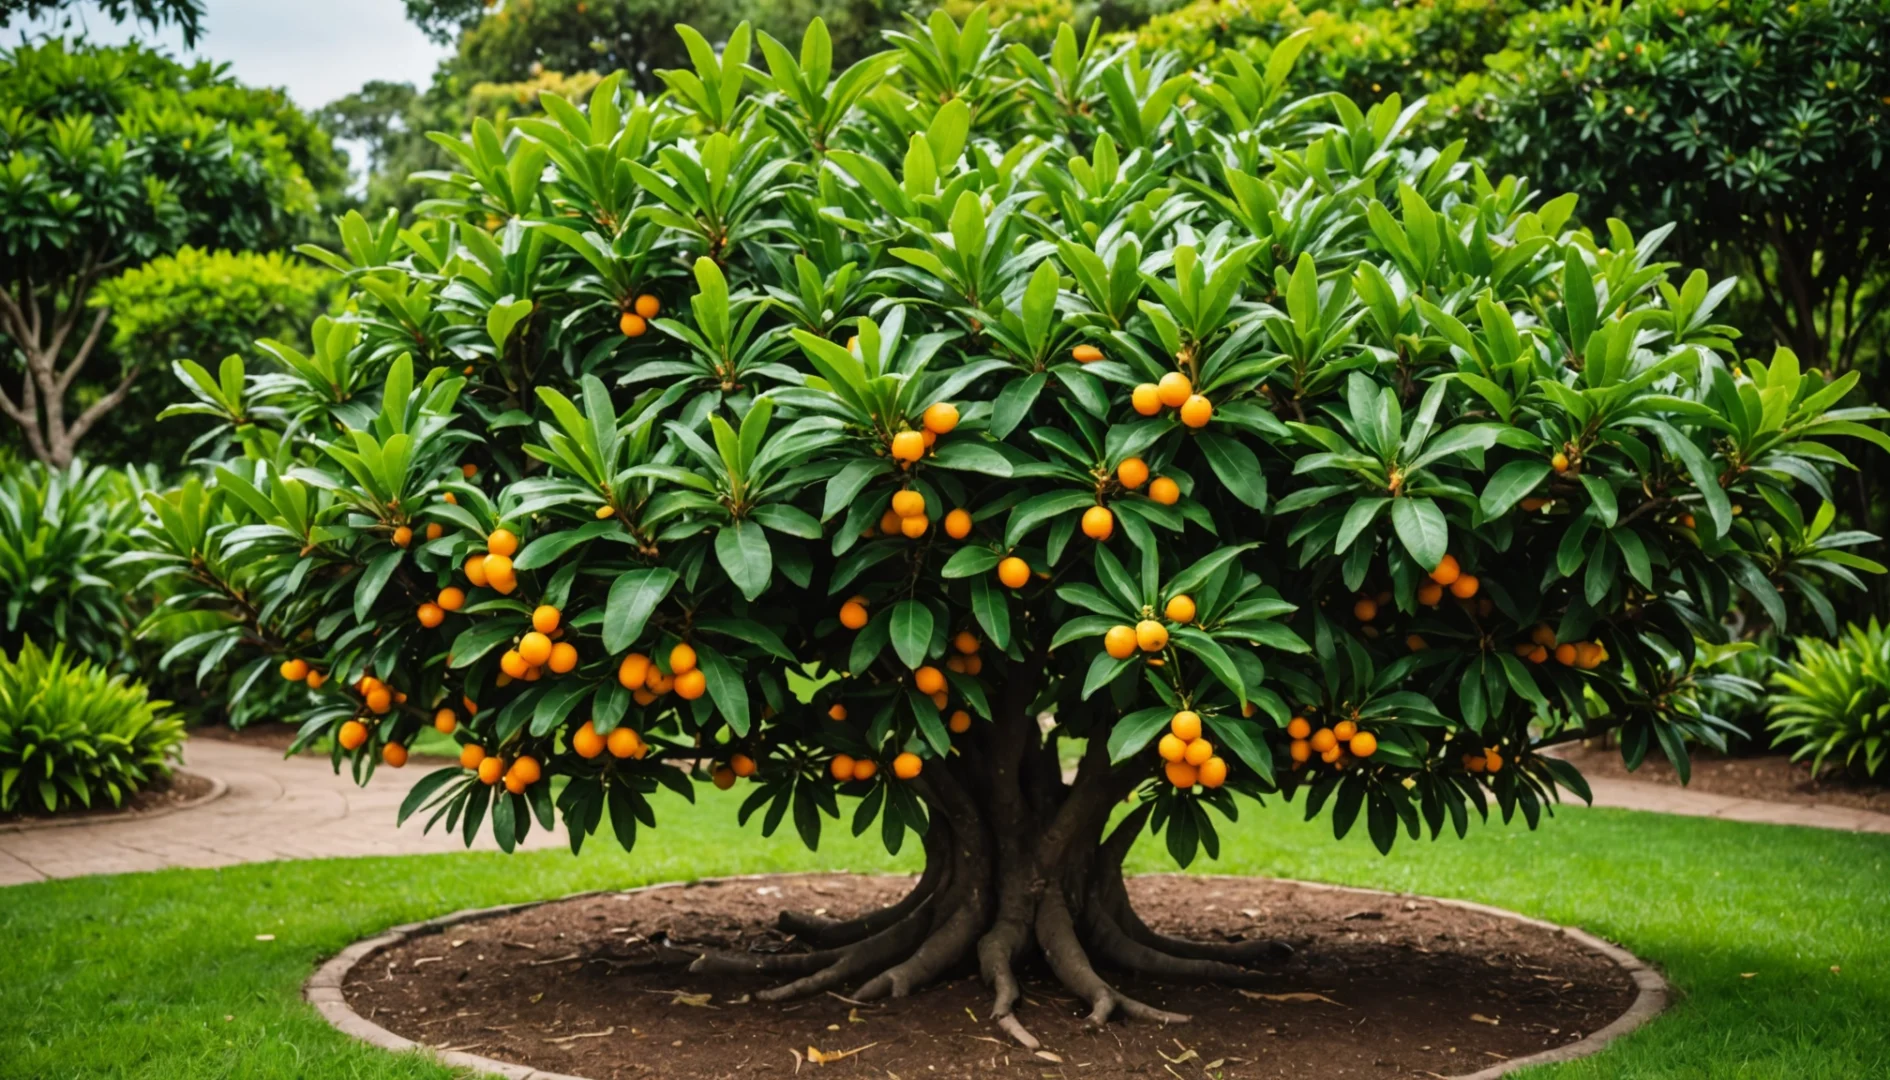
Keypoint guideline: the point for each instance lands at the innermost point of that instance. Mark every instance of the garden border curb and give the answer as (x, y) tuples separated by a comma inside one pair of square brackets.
[(218, 788), (323, 988)]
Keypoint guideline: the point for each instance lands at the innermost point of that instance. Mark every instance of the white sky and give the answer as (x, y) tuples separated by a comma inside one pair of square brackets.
[(318, 50)]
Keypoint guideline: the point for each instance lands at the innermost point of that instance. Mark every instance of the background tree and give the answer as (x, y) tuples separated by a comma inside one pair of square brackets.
[(831, 426), (187, 15), (110, 157)]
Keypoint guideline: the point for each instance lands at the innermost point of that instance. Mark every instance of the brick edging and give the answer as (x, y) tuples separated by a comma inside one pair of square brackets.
[(323, 989), (218, 788)]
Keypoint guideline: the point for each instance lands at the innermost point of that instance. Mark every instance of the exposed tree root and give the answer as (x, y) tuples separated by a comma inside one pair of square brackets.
[(822, 931), (1073, 970)]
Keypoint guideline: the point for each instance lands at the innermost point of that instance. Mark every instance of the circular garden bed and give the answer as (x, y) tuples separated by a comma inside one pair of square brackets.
[(598, 985)]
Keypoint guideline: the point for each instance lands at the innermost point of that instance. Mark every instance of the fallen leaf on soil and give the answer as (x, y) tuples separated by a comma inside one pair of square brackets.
[(1296, 995), (1363, 915), (584, 1035), (824, 1057), (700, 1001), (1186, 1055), (1048, 1056), (1482, 1019)]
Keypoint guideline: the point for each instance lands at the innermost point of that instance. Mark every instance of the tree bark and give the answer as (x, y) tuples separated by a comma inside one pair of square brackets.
[(39, 328)]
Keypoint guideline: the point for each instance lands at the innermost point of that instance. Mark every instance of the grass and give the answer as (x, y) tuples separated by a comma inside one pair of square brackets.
[(1775, 937)]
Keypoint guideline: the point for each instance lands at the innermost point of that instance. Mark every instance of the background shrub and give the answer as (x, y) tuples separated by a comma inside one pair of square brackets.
[(60, 529), (72, 734), (1833, 700)]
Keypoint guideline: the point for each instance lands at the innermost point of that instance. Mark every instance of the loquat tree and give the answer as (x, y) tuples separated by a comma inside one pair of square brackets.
[(900, 434)]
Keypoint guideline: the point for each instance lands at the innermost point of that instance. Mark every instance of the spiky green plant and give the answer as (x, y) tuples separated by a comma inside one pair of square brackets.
[(74, 734)]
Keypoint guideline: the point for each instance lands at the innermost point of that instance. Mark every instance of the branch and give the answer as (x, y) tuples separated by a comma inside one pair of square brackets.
[(100, 407), (85, 351)]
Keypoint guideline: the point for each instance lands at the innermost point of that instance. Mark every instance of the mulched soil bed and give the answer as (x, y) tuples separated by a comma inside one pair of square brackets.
[(182, 787), (1772, 778), (1403, 987)]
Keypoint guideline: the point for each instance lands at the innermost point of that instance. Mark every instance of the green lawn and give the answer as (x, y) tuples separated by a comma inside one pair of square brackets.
[(161, 975)]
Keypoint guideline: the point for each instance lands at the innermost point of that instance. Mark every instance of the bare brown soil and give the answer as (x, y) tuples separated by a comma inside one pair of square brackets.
[(1381, 986), (180, 788), (1771, 778)]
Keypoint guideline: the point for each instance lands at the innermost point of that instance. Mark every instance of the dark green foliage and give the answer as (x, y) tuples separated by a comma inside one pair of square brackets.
[(59, 532), (72, 735)]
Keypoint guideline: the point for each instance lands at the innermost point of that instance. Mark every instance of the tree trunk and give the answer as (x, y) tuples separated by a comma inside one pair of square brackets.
[(39, 324)]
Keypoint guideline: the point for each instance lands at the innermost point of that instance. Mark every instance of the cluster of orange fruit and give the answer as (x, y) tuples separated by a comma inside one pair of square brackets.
[(494, 568), (1149, 635), (1174, 391), (298, 670), (1447, 575), (737, 766), (1330, 743), (1190, 758), (909, 446), (1541, 645), (519, 774), (622, 742), (536, 651), (1491, 760), (646, 682), (636, 321), (1132, 473), (403, 534), (845, 767)]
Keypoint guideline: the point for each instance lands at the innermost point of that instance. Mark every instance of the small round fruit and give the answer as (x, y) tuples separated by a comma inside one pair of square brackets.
[(913, 527), (1213, 772), (1298, 728), (1559, 462), (403, 536), (1098, 523), (564, 657), (379, 700), (958, 524), (939, 700), (632, 672), (723, 778), (451, 598), (691, 684), (907, 765), (940, 418), (682, 659), (965, 642), (527, 770), (1364, 744), (658, 683), (1181, 774), (499, 570), (889, 523), (960, 722), (471, 755), (1119, 642), (1447, 571), (908, 446), (1171, 748), (1198, 752), (534, 648), (1180, 608), (928, 679), (1323, 740), (502, 542), (476, 571), (742, 765), (1492, 760), (1132, 473), (1164, 491), (1344, 730), (352, 735), (1151, 636), (841, 767), (1544, 635), (316, 679), (633, 325), (1300, 751), (1186, 725), (1565, 654), (623, 743), (294, 670), (1416, 642), (908, 503), (648, 306), (490, 770), (1086, 354), (545, 618), (1014, 572), (1197, 411), (1538, 655), (1174, 389), (1430, 594), (1365, 610), (1465, 586), (587, 742), (974, 664), (435, 530), (1147, 399), (394, 755), (1587, 655), (431, 615), (865, 769), (853, 614)]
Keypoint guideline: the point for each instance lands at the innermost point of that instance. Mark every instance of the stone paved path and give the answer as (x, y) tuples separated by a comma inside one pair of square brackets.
[(298, 809), (274, 809)]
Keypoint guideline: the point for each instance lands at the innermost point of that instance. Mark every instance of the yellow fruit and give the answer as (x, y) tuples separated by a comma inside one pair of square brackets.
[(682, 659), (913, 527), (1086, 354), (1331, 757), (316, 679), (445, 721), (514, 785), (1181, 774), (633, 670), (632, 324), (928, 679), (394, 755), (691, 684), (1323, 740), (958, 524), (1172, 748), (908, 446), (658, 683), (431, 615), (1164, 491), (1180, 608), (490, 770), (648, 306), (1119, 642), (1147, 399), (402, 536), (907, 765), (1300, 751), (1197, 411), (623, 743), (1098, 523), (545, 618), (451, 598), (960, 722), (526, 769), (940, 418), (513, 664), (1014, 572), (1465, 586), (853, 614), (865, 769), (502, 542), (471, 755), (294, 670), (1559, 462), (1344, 730), (435, 531), (1151, 635), (1298, 728), (1132, 473), (379, 700), (841, 767), (1174, 389), (1364, 744), (564, 657), (352, 735), (1213, 773), (1198, 752), (1186, 725), (476, 571), (534, 648), (586, 742), (499, 572), (889, 523), (908, 503), (1447, 571)]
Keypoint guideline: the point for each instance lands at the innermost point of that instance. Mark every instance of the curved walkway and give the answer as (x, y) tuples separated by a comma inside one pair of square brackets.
[(297, 808)]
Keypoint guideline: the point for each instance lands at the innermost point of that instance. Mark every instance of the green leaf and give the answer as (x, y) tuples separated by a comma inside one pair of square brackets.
[(911, 632), (633, 596), (1237, 467), (373, 581), (1421, 526), (1511, 484), (743, 550), (1133, 732)]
